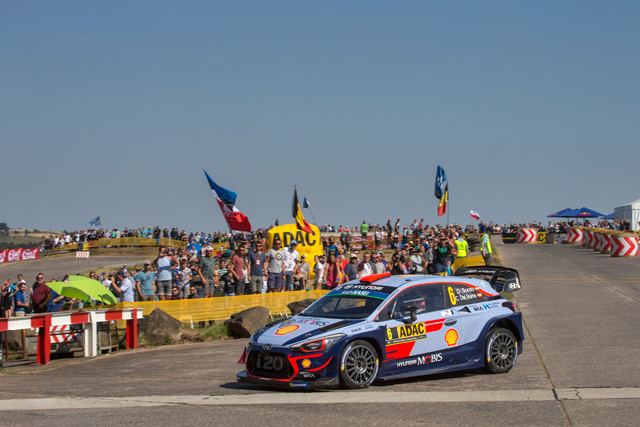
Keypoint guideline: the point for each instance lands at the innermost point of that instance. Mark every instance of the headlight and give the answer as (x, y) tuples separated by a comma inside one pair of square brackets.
[(320, 344)]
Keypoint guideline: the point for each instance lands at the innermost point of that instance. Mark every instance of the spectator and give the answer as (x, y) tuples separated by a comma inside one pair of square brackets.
[(55, 302), (208, 273), (275, 267), (163, 263), (418, 261), (351, 269), (6, 301), (291, 258), (236, 267), (41, 295), (184, 277), (486, 249), (146, 283), (256, 268), (366, 267), (318, 271), (193, 294), (332, 272), (20, 300), (364, 229), (304, 271), (123, 286)]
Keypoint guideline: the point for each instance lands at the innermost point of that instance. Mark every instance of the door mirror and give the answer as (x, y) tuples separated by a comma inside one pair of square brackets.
[(412, 312)]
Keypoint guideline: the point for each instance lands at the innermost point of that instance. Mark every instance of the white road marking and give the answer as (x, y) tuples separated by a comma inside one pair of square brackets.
[(321, 398)]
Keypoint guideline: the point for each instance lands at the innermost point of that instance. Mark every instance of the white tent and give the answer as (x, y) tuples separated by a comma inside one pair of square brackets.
[(630, 212)]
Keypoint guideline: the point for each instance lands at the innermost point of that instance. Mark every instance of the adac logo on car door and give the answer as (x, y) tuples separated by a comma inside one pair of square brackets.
[(406, 333)]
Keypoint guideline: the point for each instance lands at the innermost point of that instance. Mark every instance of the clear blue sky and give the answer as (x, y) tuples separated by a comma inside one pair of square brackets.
[(115, 108)]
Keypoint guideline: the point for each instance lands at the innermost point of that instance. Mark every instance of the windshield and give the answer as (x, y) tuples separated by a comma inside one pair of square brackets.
[(343, 307)]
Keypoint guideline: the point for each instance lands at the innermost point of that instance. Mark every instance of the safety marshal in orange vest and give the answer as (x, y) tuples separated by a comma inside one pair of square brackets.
[(463, 247)]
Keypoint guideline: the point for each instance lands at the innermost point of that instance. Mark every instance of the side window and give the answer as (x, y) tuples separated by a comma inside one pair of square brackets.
[(459, 294), (425, 298)]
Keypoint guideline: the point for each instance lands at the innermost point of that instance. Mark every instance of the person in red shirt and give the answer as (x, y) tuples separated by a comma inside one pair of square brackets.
[(41, 295)]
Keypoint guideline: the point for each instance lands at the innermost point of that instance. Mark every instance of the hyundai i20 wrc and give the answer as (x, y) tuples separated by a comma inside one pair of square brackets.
[(385, 327)]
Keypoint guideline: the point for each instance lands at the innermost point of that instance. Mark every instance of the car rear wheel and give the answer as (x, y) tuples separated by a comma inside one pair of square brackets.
[(358, 365), (501, 351)]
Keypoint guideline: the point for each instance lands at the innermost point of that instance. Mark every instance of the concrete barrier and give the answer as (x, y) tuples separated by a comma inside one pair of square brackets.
[(575, 235)]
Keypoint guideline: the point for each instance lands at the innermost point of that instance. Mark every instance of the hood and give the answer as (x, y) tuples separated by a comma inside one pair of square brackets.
[(299, 328)]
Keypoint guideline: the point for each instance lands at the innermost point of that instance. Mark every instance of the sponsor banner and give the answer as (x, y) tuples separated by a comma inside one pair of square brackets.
[(20, 254), (406, 333), (30, 254), (425, 359), (14, 255)]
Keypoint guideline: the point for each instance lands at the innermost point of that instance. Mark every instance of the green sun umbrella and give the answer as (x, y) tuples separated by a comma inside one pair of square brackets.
[(83, 288)]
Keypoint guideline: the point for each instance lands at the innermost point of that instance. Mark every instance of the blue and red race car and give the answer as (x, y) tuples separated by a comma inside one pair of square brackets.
[(385, 327)]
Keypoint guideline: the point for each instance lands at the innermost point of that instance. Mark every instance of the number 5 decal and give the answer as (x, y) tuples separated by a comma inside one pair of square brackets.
[(452, 296)]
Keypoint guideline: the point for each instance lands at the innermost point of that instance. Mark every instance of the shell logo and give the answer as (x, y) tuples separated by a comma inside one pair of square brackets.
[(287, 330), (451, 337)]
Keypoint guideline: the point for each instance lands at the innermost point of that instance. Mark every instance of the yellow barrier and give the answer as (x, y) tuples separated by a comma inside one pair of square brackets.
[(125, 241), (467, 262), (204, 309)]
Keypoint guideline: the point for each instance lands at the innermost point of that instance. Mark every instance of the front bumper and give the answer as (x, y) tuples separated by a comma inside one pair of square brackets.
[(320, 383)]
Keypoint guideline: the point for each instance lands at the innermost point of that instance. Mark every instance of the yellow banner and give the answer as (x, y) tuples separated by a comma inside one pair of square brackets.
[(127, 241), (309, 244), (205, 309)]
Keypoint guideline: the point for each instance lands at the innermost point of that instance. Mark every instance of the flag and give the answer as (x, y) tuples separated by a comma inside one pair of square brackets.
[(227, 201), (442, 191), (301, 223), (475, 215), (306, 204), (95, 222)]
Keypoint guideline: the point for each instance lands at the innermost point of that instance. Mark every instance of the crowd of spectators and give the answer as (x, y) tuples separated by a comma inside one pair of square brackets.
[(244, 268)]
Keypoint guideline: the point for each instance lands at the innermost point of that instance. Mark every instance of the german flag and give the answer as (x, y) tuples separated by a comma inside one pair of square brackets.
[(296, 212)]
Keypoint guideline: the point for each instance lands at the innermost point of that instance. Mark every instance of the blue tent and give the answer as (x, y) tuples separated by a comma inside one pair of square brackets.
[(610, 216), (560, 214)]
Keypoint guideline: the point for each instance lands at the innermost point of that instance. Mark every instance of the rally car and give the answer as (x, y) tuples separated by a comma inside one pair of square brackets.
[(384, 327)]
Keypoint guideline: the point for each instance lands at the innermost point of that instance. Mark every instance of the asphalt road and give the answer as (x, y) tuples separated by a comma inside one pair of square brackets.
[(58, 267), (579, 367)]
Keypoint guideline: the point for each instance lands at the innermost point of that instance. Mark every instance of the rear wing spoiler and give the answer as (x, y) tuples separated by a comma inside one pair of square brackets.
[(502, 279)]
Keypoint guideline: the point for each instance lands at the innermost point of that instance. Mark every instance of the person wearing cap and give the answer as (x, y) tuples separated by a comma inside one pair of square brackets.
[(380, 263), (146, 283), (351, 269), (208, 274), (418, 261), (275, 267), (257, 259), (163, 262), (291, 257)]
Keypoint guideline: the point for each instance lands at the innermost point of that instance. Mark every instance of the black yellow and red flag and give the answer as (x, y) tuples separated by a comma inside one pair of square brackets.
[(296, 212)]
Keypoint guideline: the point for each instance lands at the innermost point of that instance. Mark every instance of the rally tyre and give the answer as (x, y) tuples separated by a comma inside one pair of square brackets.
[(358, 365), (500, 351)]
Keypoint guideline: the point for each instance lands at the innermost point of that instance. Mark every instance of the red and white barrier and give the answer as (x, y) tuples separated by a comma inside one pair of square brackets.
[(575, 235), (527, 235), (624, 245), (587, 238), (63, 333), (605, 243), (597, 241), (82, 254), (20, 254), (89, 319)]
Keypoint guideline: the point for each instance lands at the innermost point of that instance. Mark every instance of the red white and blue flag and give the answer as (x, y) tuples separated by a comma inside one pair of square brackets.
[(475, 215), (227, 200)]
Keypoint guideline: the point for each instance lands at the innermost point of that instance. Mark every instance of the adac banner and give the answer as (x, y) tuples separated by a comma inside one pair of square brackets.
[(309, 244)]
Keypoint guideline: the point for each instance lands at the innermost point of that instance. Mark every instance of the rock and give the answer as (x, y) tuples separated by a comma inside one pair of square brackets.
[(158, 325), (297, 306), (475, 242), (247, 322)]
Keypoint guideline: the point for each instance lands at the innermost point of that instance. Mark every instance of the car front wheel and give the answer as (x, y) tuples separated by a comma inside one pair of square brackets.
[(358, 365), (501, 351)]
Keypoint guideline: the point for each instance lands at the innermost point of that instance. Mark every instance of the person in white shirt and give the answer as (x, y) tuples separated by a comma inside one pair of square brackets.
[(291, 257)]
